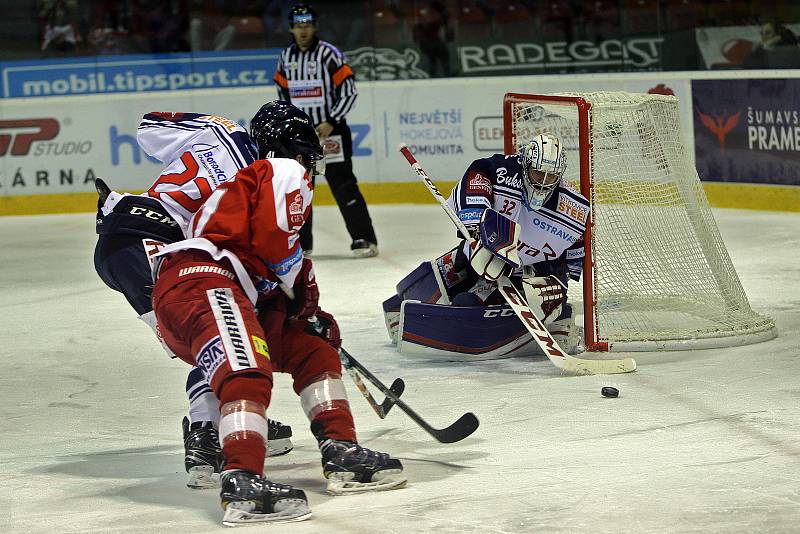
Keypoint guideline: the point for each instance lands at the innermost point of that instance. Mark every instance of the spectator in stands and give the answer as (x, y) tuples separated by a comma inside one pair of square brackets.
[(161, 25), (273, 17), (778, 48), (210, 27), (60, 22), (107, 28), (431, 33)]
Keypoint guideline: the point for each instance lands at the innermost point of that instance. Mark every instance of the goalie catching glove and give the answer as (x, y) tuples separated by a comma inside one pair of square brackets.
[(494, 254)]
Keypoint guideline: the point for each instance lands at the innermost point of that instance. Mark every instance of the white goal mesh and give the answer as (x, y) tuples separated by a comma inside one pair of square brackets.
[(659, 275)]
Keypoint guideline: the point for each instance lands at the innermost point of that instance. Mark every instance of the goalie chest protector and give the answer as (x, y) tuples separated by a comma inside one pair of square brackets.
[(545, 233)]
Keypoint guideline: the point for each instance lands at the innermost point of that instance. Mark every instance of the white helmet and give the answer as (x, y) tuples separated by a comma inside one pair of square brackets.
[(543, 164)]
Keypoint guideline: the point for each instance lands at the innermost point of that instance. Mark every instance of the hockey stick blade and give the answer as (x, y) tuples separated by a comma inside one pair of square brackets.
[(550, 347), (463, 427), (397, 387), (466, 425)]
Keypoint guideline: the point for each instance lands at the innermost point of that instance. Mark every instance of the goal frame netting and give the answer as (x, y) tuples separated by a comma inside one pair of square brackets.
[(736, 323)]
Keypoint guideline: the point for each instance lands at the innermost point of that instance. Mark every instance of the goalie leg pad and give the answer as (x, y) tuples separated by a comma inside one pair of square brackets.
[(566, 333), (391, 315), (423, 285), (462, 333)]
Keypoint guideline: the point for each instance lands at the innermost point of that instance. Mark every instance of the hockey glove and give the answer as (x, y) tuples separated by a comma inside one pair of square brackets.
[(494, 254), (325, 327), (545, 296), (305, 302)]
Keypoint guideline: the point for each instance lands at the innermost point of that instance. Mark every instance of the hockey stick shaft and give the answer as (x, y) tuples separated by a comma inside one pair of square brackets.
[(397, 386), (362, 387), (535, 327), (382, 409), (463, 427), (434, 190)]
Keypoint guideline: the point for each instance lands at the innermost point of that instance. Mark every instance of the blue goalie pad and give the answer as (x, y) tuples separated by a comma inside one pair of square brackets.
[(462, 332), (431, 282), (420, 284), (391, 314)]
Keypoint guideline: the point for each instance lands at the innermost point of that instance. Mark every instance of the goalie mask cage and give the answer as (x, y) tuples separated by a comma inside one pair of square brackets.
[(656, 273)]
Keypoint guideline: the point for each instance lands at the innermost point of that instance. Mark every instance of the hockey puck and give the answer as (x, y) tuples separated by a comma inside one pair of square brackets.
[(608, 391)]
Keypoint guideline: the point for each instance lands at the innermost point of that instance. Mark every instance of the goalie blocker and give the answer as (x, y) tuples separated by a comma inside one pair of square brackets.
[(422, 318)]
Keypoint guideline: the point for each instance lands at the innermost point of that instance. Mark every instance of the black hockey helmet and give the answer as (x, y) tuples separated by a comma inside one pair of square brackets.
[(284, 131), (301, 13)]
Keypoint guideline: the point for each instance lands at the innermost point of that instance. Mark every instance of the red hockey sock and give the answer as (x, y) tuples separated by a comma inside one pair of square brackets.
[(243, 422)]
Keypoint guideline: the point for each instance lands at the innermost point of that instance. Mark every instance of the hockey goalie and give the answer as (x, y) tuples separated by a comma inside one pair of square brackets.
[(525, 222)]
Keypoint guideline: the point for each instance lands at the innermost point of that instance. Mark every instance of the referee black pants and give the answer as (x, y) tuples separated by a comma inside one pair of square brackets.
[(344, 187)]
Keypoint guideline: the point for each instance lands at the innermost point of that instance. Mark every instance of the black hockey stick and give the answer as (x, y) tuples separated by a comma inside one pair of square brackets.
[(398, 386), (466, 424)]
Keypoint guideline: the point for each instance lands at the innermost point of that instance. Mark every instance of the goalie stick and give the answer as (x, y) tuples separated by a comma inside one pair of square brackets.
[(463, 427), (535, 327), (397, 387)]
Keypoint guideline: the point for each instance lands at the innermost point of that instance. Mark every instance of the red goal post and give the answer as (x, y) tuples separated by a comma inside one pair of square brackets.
[(656, 274)]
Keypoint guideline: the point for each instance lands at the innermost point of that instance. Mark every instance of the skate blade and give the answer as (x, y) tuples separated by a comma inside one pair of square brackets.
[(365, 252), (279, 447), (240, 514), (383, 480), (202, 477)]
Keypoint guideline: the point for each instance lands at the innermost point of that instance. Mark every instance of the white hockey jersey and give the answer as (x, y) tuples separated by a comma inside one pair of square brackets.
[(200, 152), (553, 232)]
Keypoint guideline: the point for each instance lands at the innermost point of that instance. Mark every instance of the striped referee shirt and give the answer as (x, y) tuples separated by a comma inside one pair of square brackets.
[(318, 80)]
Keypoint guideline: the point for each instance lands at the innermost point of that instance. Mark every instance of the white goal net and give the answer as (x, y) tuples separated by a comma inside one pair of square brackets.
[(657, 274)]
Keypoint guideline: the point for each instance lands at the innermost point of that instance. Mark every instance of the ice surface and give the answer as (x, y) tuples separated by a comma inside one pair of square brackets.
[(704, 441)]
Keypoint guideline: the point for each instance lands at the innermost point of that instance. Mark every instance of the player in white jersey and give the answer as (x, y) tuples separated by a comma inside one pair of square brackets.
[(200, 152), (522, 200)]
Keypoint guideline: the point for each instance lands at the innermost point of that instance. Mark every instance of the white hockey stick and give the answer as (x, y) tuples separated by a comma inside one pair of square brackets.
[(540, 334)]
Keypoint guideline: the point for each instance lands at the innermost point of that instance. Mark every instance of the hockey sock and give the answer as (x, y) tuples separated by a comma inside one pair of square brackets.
[(243, 426), (325, 403)]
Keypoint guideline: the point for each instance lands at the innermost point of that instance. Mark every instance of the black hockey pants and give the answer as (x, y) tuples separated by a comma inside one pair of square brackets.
[(344, 187)]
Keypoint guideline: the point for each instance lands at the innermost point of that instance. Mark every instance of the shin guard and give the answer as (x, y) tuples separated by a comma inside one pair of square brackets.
[(324, 401), (243, 435)]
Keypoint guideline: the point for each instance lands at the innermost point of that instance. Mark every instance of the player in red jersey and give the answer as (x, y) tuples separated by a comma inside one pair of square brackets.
[(242, 252), (200, 152)]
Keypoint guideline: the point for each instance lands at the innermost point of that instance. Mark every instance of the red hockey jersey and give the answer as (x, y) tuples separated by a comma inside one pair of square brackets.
[(253, 221)]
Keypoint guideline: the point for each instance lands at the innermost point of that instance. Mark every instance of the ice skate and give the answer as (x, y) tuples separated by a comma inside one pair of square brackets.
[(248, 498), (204, 460), (364, 249), (351, 468), (279, 437)]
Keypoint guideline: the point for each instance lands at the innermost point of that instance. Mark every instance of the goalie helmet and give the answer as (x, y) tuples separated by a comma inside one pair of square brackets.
[(543, 164), (281, 130)]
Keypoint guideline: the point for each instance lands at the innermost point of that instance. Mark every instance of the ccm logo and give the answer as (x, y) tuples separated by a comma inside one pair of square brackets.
[(153, 215), (503, 312), (28, 131)]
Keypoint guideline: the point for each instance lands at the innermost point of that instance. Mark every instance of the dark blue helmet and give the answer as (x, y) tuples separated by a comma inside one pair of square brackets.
[(281, 130), (301, 13)]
